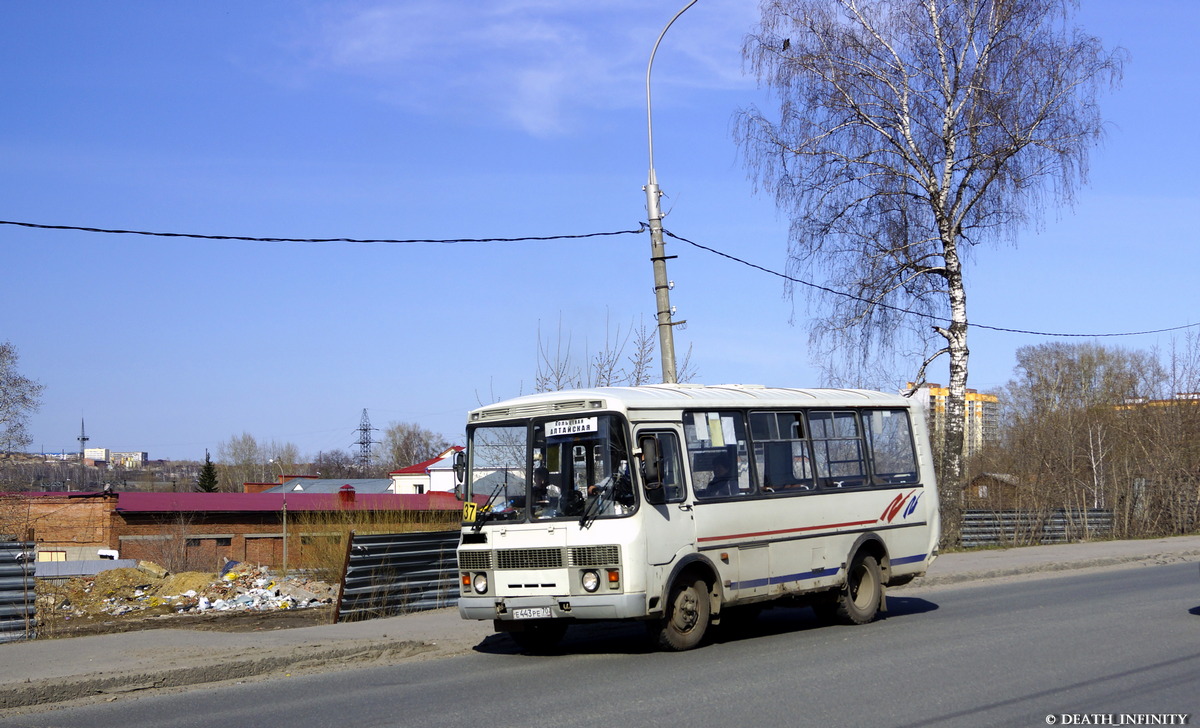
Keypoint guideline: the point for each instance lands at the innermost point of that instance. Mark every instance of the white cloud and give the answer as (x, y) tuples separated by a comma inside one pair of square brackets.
[(542, 66)]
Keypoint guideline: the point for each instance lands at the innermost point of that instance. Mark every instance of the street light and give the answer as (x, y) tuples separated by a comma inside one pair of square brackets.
[(662, 288)]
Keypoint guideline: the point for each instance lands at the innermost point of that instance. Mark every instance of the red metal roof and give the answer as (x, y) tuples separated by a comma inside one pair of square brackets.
[(420, 468), (252, 502)]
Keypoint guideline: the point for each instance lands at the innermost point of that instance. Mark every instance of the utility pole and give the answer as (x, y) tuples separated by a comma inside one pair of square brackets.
[(658, 253)]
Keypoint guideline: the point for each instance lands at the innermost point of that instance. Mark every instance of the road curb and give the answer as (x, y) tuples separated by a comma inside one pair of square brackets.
[(1053, 567), (58, 690)]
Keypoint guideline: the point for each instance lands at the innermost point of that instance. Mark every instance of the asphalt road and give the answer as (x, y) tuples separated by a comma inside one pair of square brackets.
[(1003, 653)]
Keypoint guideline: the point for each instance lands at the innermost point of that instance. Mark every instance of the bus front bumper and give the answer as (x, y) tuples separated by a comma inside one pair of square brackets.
[(598, 606)]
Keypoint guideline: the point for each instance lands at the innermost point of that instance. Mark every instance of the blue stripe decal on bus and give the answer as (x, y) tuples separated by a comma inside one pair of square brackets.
[(752, 583), (806, 575)]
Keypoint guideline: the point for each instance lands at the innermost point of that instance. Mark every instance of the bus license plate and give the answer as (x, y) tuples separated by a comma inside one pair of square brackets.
[(532, 613)]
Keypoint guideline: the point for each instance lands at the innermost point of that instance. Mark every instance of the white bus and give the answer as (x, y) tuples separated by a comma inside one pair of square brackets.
[(673, 503)]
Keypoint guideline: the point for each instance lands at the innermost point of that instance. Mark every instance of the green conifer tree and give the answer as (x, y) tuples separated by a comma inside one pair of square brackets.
[(207, 483)]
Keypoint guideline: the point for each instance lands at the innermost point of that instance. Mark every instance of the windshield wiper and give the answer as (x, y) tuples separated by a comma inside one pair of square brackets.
[(486, 512), (605, 491), (481, 518), (593, 507)]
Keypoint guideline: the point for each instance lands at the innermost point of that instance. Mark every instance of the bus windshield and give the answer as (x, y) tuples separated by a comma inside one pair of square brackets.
[(554, 468)]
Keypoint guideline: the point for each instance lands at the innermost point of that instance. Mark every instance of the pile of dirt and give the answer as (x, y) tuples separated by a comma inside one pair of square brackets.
[(119, 597)]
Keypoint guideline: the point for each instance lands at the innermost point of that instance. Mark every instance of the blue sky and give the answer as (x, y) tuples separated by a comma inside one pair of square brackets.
[(422, 119)]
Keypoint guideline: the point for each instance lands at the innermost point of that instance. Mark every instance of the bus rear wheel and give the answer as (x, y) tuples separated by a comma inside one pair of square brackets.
[(858, 602), (687, 615)]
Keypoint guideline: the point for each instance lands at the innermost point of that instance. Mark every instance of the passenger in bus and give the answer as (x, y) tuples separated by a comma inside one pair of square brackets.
[(545, 494), (543, 490), (723, 482)]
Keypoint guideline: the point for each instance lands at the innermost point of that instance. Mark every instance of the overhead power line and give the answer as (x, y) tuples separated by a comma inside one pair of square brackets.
[(641, 228), (247, 238), (910, 312)]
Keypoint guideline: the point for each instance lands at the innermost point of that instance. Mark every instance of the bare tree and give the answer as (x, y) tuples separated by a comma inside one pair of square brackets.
[(908, 133), (559, 368), (1089, 426), (642, 359), (19, 397), (240, 460), (334, 464), (16, 521), (407, 443), (174, 547), (283, 458), (243, 459)]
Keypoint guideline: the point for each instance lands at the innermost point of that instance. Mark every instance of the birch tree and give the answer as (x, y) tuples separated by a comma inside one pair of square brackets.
[(241, 460), (906, 134), (20, 396)]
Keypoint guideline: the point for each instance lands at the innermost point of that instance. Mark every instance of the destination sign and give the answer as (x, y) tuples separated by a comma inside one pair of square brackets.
[(560, 428)]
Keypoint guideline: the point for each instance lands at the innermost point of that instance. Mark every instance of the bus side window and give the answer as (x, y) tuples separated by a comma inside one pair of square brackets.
[(719, 455), (889, 437), (781, 452), (838, 446)]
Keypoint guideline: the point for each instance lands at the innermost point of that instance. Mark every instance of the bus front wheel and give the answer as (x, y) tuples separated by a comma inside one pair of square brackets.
[(686, 621)]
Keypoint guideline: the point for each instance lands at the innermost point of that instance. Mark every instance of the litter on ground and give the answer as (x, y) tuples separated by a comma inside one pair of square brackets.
[(149, 589)]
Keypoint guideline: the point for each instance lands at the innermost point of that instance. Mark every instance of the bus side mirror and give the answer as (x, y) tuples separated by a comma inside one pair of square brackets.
[(460, 473), (652, 471)]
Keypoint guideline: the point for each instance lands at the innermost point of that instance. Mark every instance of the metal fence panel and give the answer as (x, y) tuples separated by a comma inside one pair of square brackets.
[(397, 573), (1013, 528), (18, 615)]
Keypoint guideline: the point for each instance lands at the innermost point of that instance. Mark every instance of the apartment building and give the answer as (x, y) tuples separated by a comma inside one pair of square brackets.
[(981, 412)]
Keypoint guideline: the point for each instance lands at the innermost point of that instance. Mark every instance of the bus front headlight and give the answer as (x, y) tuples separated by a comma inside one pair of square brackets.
[(479, 583), (591, 581)]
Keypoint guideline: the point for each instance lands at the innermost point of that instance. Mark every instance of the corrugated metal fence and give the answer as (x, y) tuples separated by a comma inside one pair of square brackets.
[(18, 616), (1012, 528), (409, 572), (397, 573)]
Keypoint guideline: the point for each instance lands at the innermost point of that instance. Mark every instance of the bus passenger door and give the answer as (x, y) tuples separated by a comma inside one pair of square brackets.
[(670, 529)]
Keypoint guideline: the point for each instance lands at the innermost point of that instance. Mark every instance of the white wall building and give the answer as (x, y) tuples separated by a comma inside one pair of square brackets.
[(435, 475)]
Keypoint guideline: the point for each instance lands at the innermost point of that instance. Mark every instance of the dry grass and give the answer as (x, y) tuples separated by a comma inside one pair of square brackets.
[(318, 540)]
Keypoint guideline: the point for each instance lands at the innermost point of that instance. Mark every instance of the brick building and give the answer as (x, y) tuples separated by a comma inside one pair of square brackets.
[(204, 529)]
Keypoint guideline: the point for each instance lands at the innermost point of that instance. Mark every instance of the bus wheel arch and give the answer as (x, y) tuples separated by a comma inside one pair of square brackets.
[(871, 543), (691, 604)]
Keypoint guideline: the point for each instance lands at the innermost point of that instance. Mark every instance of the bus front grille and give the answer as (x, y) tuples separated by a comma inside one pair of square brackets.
[(474, 559), (550, 558), (594, 555)]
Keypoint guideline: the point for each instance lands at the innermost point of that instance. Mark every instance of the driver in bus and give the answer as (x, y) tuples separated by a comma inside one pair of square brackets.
[(614, 489)]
